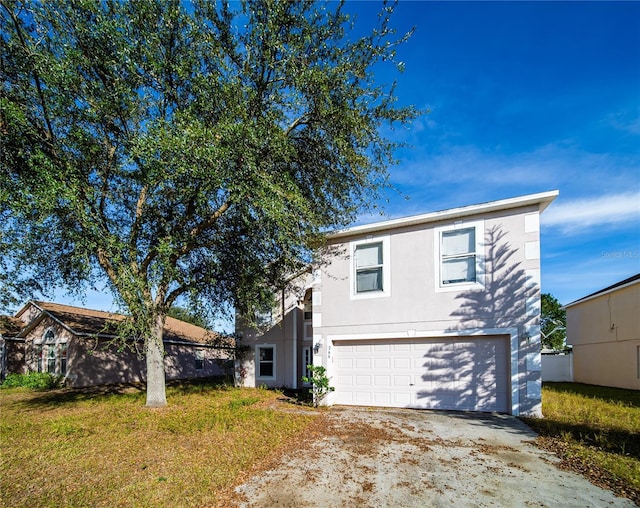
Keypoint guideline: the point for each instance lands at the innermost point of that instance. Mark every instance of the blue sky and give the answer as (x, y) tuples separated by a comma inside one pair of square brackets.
[(524, 98)]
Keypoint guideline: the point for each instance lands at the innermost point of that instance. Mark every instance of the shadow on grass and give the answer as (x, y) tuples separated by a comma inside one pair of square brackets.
[(300, 397), (609, 440), (612, 440), (630, 398), (61, 396)]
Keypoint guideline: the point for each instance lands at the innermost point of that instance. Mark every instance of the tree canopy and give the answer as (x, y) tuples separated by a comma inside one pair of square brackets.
[(194, 151), (553, 323)]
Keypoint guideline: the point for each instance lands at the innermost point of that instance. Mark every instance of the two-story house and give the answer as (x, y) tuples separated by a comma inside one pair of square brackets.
[(434, 311)]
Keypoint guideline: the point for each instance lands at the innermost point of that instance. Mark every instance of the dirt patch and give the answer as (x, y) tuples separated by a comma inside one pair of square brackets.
[(597, 476), (372, 458)]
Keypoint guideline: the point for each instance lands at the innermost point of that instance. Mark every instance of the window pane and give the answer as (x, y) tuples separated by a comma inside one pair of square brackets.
[(369, 280), (266, 370), (368, 255), (266, 354), (459, 270), (458, 242)]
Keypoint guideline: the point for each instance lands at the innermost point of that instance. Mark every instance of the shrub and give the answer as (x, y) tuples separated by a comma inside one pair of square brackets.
[(319, 383), (33, 380)]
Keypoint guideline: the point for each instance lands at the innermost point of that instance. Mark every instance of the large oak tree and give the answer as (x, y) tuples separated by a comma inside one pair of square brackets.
[(184, 150)]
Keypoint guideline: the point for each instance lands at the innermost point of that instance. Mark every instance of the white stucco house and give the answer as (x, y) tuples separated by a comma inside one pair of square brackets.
[(434, 311)]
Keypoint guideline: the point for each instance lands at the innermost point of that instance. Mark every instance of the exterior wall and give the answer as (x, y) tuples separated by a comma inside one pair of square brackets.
[(13, 357), (285, 330), (180, 362), (415, 305), (605, 334)]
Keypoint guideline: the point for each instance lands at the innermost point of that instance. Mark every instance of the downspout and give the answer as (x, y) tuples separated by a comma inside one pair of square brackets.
[(295, 347)]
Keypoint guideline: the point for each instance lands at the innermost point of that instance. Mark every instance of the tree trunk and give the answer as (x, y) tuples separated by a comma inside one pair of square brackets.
[(156, 393)]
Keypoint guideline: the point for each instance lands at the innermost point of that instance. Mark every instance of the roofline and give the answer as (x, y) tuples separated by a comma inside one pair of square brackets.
[(35, 322), (634, 279), (542, 199)]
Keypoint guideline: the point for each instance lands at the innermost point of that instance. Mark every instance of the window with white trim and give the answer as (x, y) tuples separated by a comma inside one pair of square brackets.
[(199, 359), (370, 268), (266, 364), (458, 251), (50, 354)]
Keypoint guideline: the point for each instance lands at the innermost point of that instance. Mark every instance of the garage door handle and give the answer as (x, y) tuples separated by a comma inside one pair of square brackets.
[(410, 384)]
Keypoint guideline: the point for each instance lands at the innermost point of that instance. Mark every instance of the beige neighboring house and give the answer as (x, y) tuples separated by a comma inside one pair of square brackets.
[(434, 311), (604, 330), (78, 344)]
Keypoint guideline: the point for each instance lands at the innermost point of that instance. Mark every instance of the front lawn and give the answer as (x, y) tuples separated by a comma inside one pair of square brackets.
[(595, 430), (104, 448)]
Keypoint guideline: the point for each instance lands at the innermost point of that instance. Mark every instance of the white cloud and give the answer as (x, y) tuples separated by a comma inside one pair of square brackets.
[(574, 215)]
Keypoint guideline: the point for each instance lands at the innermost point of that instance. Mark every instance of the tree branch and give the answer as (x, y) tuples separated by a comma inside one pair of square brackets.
[(36, 77), (297, 122), (173, 295), (203, 226), (135, 227)]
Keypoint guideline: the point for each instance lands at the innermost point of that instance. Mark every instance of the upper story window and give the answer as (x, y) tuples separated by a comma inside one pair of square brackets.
[(458, 256), (308, 311), (370, 268), (459, 253)]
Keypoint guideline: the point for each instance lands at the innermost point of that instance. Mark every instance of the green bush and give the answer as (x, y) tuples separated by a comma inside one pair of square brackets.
[(33, 380)]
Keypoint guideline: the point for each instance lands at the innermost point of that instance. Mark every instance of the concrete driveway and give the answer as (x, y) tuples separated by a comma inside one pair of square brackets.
[(359, 457)]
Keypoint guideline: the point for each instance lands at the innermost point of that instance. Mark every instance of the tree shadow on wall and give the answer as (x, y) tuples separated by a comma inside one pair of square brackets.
[(509, 298), (471, 375)]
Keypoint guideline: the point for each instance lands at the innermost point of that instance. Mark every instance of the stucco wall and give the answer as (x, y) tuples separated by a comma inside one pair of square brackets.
[(416, 305), (605, 334), (280, 334)]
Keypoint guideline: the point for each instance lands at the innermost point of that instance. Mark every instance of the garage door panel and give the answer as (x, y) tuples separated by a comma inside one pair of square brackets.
[(464, 374), (344, 363), (380, 381), (362, 363), (401, 363)]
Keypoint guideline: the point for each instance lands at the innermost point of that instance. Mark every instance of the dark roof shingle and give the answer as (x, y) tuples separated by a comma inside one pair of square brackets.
[(95, 322)]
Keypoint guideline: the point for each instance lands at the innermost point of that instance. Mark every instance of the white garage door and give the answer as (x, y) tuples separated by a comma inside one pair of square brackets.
[(469, 374)]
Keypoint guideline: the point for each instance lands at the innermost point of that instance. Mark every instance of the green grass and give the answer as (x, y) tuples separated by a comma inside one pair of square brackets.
[(596, 431), (104, 448)]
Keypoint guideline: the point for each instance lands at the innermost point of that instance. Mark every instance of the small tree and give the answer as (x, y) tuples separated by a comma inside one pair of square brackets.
[(195, 150), (320, 383), (553, 323)]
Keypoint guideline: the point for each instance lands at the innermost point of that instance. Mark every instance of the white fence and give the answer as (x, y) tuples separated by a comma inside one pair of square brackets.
[(557, 367)]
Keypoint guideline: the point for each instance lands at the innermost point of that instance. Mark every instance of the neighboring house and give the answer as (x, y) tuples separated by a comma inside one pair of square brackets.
[(604, 330), (80, 345), (436, 311), (11, 347)]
